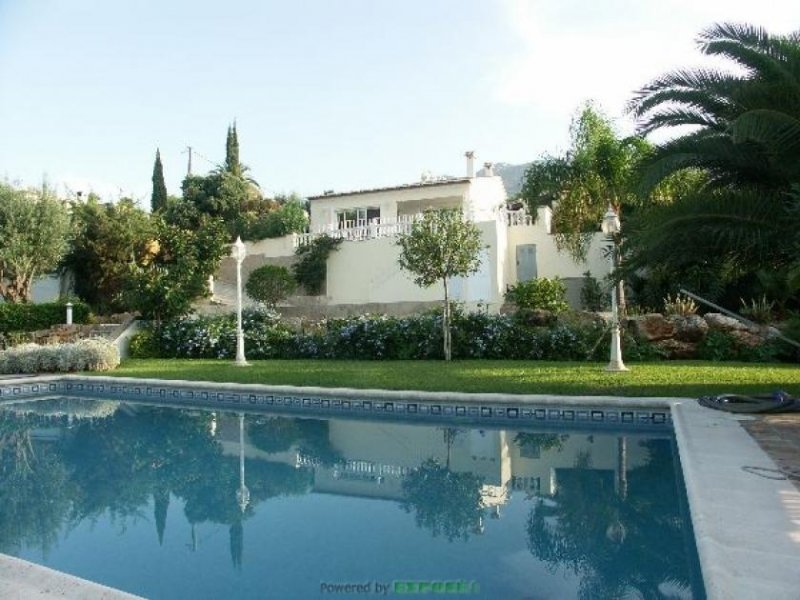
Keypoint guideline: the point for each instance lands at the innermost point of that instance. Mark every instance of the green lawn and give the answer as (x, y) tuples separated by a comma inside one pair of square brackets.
[(690, 378)]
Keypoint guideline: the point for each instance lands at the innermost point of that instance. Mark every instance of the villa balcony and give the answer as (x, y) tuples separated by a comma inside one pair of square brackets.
[(368, 229), (362, 229)]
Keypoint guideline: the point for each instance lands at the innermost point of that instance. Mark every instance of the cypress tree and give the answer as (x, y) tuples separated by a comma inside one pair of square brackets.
[(232, 164), (159, 198)]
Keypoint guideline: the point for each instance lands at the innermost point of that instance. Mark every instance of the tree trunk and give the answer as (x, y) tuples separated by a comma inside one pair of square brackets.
[(446, 323), (18, 290)]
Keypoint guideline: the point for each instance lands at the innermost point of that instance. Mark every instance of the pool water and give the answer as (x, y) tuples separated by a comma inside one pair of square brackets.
[(169, 503)]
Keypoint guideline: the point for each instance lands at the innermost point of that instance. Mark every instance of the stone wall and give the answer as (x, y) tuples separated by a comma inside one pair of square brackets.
[(679, 336)]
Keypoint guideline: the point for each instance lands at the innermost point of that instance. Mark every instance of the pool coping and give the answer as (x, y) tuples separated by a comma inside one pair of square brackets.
[(747, 526), (23, 580)]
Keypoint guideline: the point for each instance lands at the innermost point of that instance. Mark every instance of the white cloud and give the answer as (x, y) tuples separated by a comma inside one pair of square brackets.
[(571, 51)]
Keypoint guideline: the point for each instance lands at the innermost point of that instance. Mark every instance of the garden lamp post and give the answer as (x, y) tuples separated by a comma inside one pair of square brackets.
[(611, 226), (242, 494), (239, 252)]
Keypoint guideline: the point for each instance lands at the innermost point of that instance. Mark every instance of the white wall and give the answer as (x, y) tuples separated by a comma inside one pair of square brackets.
[(367, 271), (485, 196), (272, 247), (549, 261), (45, 289), (362, 272)]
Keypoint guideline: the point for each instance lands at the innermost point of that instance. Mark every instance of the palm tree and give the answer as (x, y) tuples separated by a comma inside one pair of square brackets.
[(599, 170), (744, 140)]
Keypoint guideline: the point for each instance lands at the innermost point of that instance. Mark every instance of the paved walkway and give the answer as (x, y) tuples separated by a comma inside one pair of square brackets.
[(779, 436)]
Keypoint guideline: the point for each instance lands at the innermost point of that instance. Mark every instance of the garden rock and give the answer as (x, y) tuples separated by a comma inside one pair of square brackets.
[(677, 349), (689, 328), (722, 322), (651, 327), (746, 338)]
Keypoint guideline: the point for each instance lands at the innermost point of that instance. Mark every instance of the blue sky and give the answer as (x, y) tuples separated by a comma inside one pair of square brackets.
[(327, 94)]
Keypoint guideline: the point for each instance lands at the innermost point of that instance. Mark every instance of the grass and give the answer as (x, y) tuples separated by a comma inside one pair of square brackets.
[(677, 379)]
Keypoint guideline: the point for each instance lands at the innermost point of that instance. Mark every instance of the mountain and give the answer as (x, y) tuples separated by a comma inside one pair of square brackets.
[(511, 176)]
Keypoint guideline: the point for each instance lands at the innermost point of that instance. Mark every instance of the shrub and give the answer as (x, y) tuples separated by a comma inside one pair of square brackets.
[(717, 346), (311, 267), (143, 344), (720, 345), (270, 284), (379, 337), (542, 293), (92, 354), (593, 297), (289, 218), (32, 317)]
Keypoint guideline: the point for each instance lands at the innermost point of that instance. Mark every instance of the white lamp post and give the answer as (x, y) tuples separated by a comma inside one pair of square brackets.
[(242, 494), (239, 252), (611, 226)]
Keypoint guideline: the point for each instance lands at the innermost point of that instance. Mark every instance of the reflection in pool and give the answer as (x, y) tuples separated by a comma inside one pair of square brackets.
[(171, 503)]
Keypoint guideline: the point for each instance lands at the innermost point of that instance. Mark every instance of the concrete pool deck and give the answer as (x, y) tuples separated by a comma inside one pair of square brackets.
[(745, 511), (23, 580)]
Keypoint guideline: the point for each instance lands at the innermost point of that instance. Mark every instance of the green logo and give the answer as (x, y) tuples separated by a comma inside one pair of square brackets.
[(435, 587)]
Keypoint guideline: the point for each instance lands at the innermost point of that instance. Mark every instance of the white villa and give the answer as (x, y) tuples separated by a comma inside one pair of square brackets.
[(363, 274)]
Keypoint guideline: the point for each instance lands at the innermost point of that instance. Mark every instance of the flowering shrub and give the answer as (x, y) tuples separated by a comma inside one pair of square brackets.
[(541, 293), (380, 337), (92, 354)]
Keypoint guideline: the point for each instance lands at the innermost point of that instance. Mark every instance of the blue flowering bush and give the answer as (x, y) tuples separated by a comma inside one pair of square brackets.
[(380, 337)]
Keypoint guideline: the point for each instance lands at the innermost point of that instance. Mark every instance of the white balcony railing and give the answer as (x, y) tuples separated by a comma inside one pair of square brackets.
[(362, 229), (518, 218)]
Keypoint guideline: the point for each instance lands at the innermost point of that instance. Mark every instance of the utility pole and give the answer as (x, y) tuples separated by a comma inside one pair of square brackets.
[(189, 166)]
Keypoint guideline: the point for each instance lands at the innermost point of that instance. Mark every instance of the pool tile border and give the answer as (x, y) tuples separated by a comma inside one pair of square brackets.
[(488, 408)]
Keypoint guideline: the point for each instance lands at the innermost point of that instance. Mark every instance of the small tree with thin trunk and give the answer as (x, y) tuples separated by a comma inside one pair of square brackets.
[(440, 246)]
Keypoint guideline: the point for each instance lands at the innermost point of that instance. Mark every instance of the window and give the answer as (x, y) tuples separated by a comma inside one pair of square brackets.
[(357, 217)]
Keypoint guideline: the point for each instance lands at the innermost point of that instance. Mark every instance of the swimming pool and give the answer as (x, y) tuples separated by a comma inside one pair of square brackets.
[(208, 502)]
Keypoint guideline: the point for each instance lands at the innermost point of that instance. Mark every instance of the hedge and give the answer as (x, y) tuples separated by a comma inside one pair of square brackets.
[(371, 337), (33, 317)]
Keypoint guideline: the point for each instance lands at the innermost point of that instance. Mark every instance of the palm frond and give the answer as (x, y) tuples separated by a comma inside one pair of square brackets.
[(704, 87), (713, 152), (758, 64), (779, 132), (743, 33), (744, 224), (677, 115)]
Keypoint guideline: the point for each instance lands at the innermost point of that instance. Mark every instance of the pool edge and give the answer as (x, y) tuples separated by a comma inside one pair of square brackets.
[(747, 527), (22, 579)]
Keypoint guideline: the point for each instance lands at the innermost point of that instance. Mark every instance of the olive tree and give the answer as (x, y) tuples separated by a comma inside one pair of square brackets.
[(34, 236), (440, 246)]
